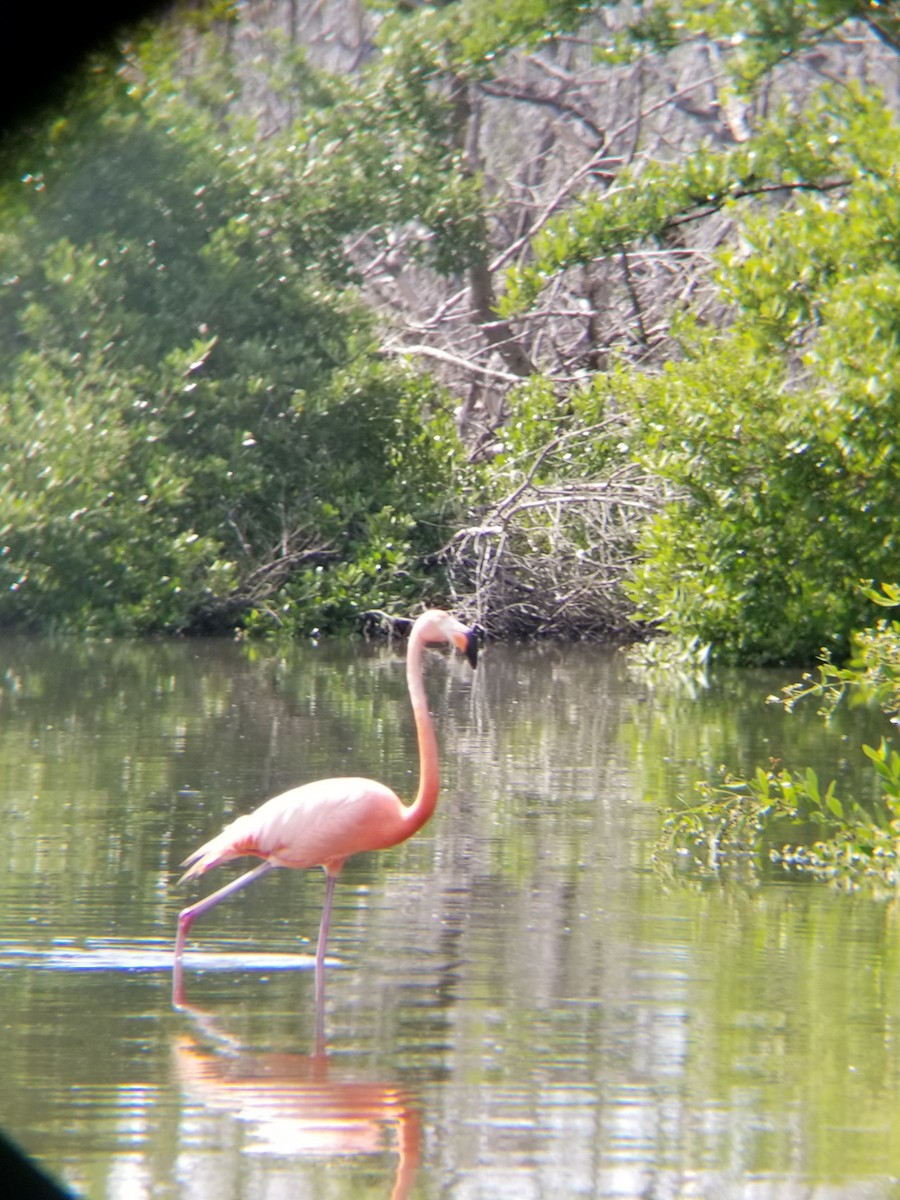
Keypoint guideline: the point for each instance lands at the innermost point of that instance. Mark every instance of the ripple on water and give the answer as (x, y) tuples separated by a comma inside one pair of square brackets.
[(113, 955)]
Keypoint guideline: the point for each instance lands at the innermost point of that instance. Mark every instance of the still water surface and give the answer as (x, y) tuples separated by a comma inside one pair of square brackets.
[(520, 1004)]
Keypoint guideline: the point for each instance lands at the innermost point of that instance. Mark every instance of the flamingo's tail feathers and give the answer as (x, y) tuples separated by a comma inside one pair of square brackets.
[(197, 863), (232, 842)]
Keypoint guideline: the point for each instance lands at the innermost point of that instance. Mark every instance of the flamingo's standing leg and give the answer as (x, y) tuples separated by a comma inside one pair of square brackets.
[(330, 881)]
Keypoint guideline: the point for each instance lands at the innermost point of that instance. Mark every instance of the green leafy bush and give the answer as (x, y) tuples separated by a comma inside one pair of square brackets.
[(776, 431), (198, 431)]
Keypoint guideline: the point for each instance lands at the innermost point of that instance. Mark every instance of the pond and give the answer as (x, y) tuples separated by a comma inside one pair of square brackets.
[(519, 1002)]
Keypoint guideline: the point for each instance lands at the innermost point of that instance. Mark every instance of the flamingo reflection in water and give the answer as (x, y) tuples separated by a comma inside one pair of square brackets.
[(323, 823), (297, 1104)]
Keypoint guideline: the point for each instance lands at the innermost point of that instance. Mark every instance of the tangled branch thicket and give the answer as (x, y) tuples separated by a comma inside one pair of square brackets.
[(549, 558)]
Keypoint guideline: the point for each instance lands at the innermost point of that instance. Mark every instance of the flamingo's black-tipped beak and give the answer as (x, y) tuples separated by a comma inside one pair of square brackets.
[(471, 651)]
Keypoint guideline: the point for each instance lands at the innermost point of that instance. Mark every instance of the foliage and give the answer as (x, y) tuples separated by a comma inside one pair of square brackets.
[(873, 674), (197, 411), (767, 414), (757, 35), (194, 411), (789, 816), (468, 36), (790, 152), (210, 437), (771, 430)]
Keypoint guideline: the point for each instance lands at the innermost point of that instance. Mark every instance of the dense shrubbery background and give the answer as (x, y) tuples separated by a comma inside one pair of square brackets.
[(198, 428), (515, 308)]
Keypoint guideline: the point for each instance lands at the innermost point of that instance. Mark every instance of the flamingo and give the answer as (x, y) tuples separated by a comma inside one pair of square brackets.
[(322, 824)]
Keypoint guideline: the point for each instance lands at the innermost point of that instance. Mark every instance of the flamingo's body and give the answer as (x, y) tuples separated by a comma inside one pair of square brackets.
[(324, 823), (317, 825)]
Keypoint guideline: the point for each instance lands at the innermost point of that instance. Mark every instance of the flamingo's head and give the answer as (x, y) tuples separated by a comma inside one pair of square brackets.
[(435, 625)]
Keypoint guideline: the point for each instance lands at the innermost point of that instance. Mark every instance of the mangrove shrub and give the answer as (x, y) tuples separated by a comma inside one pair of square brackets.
[(194, 414)]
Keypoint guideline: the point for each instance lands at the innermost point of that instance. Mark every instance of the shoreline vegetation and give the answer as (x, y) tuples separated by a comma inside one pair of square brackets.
[(783, 821)]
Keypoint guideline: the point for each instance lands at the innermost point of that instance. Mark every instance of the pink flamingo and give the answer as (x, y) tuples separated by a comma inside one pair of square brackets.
[(321, 824)]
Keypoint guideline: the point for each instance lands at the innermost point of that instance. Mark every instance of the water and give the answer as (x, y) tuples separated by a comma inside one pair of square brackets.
[(519, 1003)]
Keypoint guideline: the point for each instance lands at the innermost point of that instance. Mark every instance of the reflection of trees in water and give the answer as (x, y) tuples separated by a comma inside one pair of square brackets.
[(117, 756)]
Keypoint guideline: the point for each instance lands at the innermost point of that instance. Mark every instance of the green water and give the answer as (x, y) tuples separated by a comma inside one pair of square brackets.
[(519, 1004)]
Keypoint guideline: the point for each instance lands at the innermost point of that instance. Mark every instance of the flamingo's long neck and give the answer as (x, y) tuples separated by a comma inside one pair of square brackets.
[(429, 775)]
